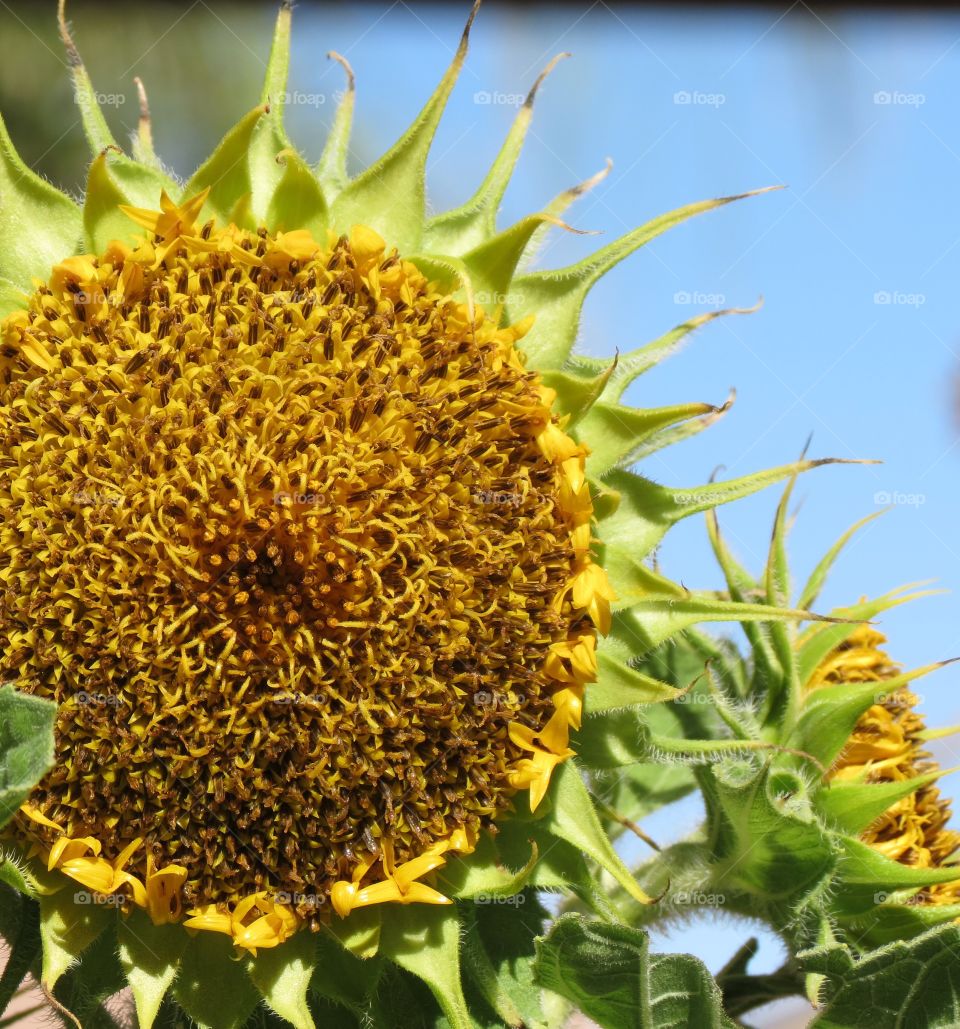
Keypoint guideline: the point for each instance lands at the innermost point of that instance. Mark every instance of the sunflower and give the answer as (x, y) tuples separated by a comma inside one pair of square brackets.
[(888, 746), (823, 814), (320, 537)]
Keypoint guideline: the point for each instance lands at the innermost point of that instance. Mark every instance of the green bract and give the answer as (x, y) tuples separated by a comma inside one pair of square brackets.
[(778, 746)]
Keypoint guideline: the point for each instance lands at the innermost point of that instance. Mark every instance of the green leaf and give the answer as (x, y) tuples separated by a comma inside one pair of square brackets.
[(610, 974), (298, 201), (573, 817), (227, 171), (556, 297), (904, 984), (425, 941), (26, 746), (463, 228), (213, 987), (39, 225), (389, 196), (150, 955), (69, 923), (283, 974)]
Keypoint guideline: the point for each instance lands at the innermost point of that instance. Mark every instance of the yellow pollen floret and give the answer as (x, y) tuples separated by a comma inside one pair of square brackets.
[(295, 541)]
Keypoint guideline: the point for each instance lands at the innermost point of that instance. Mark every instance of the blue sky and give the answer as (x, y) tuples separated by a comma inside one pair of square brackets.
[(858, 340)]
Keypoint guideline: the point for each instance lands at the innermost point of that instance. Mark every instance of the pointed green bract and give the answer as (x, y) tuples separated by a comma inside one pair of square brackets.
[(115, 180), (150, 955), (829, 714), (39, 225), (426, 942), (226, 173), (556, 297), (95, 125), (70, 921), (464, 228), (268, 137), (212, 986), (390, 196), (298, 201), (332, 169), (573, 818), (283, 974), (852, 807)]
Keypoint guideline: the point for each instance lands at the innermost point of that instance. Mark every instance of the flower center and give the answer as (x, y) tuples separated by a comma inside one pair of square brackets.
[(281, 533)]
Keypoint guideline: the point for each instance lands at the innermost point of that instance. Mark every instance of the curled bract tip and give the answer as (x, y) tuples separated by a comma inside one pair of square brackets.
[(554, 61), (465, 38), (345, 64)]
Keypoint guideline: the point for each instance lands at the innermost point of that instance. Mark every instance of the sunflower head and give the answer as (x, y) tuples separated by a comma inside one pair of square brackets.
[(325, 544)]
